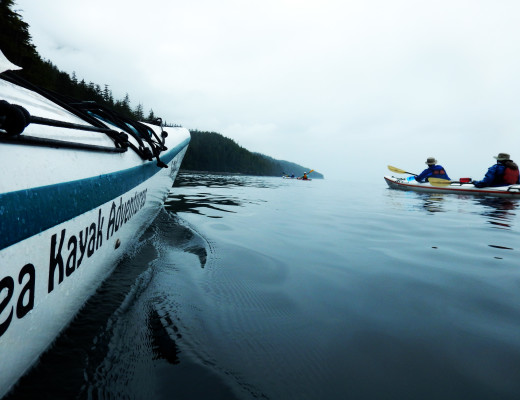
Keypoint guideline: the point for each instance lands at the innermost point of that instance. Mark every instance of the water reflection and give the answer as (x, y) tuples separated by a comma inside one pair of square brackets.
[(433, 202), (499, 211), (176, 203), (185, 238), (188, 179), (163, 330), (500, 247), (184, 199)]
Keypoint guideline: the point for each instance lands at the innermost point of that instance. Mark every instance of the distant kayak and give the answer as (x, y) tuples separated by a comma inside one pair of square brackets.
[(301, 179), (511, 191)]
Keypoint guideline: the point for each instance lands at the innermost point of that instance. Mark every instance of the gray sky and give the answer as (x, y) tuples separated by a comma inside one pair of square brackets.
[(343, 87)]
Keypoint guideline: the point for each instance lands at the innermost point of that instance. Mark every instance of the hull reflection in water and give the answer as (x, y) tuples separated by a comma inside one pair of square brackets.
[(124, 342)]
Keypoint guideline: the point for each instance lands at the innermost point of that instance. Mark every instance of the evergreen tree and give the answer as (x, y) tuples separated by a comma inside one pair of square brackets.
[(15, 40), (138, 112), (126, 103), (106, 94)]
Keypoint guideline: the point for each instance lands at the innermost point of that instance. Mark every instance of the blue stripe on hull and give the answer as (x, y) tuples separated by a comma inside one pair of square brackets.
[(25, 213)]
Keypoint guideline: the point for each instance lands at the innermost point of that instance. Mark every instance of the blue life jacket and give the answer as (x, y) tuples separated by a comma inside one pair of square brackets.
[(494, 177), (436, 171)]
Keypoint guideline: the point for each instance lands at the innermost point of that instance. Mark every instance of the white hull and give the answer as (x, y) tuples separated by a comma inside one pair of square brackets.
[(66, 217)]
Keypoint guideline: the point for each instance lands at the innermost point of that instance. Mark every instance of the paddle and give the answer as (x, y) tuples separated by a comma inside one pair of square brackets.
[(399, 171), (439, 182), (446, 182)]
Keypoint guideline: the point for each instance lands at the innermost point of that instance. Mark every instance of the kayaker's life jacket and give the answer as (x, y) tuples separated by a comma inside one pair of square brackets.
[(436, 171), (510, 176)]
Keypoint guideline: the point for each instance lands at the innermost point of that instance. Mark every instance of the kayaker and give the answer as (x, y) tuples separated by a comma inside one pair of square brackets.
[(433, 170), (305, 177), (503, 173)]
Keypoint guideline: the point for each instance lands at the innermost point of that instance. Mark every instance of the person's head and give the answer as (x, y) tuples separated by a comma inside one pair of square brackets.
[(431, 161), (502, 157)]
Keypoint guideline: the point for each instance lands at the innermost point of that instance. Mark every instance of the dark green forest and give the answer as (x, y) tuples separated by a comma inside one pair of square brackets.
[(208, 151), (16, 44), (212, 152)]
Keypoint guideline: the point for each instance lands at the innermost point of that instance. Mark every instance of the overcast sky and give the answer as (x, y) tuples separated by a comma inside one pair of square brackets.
[(343, 87)]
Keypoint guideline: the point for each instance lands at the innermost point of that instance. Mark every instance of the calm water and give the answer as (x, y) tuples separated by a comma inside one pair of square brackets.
[(265, 288)]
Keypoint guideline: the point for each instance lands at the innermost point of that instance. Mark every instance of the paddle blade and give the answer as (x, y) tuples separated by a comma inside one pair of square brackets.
[(399, 170), (439, 182)]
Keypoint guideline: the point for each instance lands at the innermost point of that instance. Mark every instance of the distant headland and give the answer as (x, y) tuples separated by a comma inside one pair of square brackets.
[(213, 152)]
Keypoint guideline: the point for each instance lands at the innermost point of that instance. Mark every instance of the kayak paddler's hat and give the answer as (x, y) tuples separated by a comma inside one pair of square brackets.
[(431, 161), (502, 157)]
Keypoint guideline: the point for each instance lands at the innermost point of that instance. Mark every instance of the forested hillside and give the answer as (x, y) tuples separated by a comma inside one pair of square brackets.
[(289, 168), (208, 151), (212, 152), (16, 44)]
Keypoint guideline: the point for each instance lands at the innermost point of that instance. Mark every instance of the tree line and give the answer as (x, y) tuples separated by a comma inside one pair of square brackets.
[(213, 152), (16, 44), (208, 151)]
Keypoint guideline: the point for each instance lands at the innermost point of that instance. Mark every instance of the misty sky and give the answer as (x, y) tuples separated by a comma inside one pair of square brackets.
[(343, 87)]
